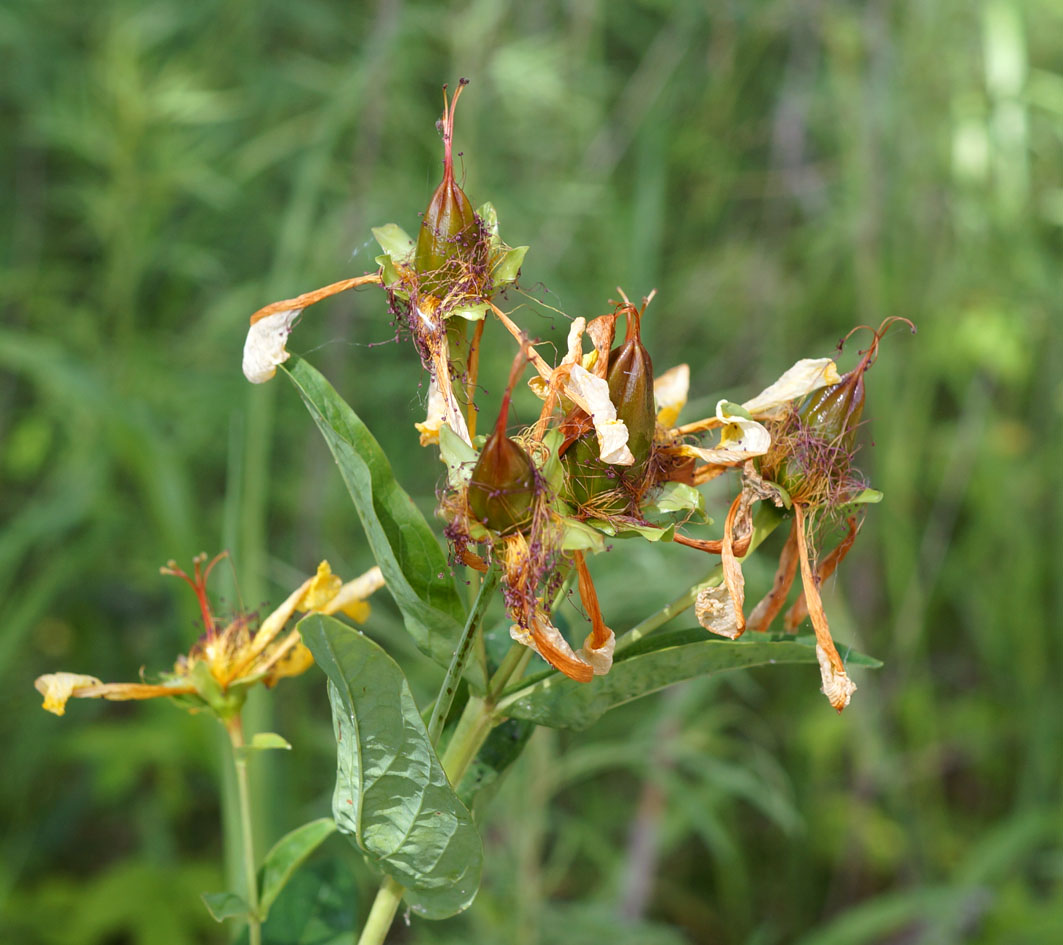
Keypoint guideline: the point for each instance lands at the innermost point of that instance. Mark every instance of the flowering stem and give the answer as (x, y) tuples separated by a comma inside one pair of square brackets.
[(234, 727), (765, 520)]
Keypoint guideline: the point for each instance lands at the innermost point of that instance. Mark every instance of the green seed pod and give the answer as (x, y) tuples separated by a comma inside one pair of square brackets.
[(450, 229), (502, 487)]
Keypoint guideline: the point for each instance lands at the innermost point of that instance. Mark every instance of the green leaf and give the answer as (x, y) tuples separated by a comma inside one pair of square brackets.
[(484, 776), (867, 497), (489, 218), (507, 268), (395, 241), (552, 470), (414, 565), (266, 741), (319, 906), (392, 797), (476, 312), (732, 409), (388, 273), (618, 528), (287, 855), (645, 667), (578, 536), (225, 905), (679, 497), (458, 456)]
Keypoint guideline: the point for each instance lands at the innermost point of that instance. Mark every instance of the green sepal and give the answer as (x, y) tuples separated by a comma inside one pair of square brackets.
[(395, 242), (458, 457)]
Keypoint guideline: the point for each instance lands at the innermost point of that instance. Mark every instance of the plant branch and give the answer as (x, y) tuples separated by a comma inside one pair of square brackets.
[(234, 727)]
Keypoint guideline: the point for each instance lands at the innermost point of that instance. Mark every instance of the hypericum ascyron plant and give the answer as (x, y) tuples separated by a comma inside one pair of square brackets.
[(528, 509)]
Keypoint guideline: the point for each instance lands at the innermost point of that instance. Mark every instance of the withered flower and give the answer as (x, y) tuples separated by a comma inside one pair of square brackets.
[(226, 661)]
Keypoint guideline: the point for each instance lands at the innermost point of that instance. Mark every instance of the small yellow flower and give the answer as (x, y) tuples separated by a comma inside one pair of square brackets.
[(225, 661)]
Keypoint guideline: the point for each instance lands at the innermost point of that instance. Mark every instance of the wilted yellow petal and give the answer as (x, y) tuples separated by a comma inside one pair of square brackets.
[(805, 376), (437, 405), (297, 660), (264, 347), (57, 688), (612, 433), (670, 390), (351, 598), (740, 439), (324, 586)]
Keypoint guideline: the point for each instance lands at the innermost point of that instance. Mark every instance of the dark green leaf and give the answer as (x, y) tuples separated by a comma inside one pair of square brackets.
[(392, 798), (652, 664), (484, 776), (287, 855), (414, 565), (318, 906)]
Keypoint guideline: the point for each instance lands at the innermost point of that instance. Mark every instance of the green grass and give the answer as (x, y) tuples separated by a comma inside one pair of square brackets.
[(779, 173)]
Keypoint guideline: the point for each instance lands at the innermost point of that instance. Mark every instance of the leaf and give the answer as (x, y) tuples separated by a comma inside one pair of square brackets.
[(580, 537), (395, 241), (392, 797), (645, 667), (457, 455), (866, 497), (679, 497), (618, 528), (225, 905), (508, 266), (484, 776), (388, 273), (265, 741), (474, 312), (735, 410), (287, 855), (414, 565), (319, 906)]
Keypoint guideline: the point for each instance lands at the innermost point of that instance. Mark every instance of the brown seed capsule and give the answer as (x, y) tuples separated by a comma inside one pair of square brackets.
[(450, 243), (502, 487), (631, 391)]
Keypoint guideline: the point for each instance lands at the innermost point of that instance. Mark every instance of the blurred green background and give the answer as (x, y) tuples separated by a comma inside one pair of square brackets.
[(779, 171)]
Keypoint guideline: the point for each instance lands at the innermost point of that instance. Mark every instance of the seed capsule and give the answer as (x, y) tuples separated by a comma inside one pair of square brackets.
[(450, 230), (502, 487), (631, 391)]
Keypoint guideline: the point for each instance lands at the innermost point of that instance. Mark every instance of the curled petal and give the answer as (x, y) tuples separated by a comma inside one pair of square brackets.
[(740, 439), (548, 642), (670, 391), (297, 660), (437, 407), (837, 686), (612, 433), (264, 347), (599, 655), (716, 613), (57, 689), (805, 376)]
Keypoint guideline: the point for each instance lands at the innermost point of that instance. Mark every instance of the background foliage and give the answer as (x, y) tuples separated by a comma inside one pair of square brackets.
[(779, 171)]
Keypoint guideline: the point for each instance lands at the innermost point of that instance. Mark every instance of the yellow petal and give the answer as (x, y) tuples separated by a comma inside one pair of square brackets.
[(740, 439), (805, 376), (57, 688), (437, 406), (670, 391), (297, 660), (324, 586), (351, 598), (264, 347)]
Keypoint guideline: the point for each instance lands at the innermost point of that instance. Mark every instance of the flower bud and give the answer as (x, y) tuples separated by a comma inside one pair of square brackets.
[(450, 229), (502, 486)]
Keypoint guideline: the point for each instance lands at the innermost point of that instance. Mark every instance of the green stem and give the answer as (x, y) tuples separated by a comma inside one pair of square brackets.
[(243, 789), (765, 520), (382, 914), (445, 699)]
